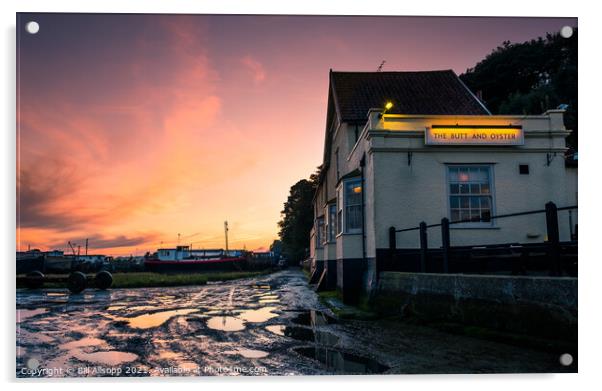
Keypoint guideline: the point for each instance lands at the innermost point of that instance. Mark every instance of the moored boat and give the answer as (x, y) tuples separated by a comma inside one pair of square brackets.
[(183, 258)]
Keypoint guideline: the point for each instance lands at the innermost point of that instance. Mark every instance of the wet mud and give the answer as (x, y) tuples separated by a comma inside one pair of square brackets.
[(271, 325)]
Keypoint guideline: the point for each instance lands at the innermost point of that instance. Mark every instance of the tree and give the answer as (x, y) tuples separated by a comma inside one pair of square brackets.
[(530, 78), (297, 218)]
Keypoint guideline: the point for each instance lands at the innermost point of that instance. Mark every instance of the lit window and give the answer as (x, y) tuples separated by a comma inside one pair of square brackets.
[(470, 193), (353, 206)]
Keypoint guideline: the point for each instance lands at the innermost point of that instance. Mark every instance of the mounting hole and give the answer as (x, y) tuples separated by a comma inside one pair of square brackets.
[(566, 32), (32, 27), (566, 359), (33, 363)]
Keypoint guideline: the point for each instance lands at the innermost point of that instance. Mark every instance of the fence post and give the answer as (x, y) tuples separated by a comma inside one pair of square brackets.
[(445, 243), (423, 247), (392, 239), (553, 237)]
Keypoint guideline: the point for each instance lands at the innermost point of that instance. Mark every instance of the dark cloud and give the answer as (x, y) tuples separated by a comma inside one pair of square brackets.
[(39, 188), (101, 242)]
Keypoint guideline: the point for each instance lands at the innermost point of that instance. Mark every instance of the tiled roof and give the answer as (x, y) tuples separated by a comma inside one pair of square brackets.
[(429, 92)]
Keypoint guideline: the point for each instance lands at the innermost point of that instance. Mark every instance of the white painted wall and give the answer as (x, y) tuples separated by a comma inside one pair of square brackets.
[(400, 194)]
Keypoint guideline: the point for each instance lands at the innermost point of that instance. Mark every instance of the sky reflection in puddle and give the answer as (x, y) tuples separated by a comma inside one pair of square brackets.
[(257, 316), (226, 323), (105, 357), (88, 341), (248, 353), (23, 314), (156, 319)]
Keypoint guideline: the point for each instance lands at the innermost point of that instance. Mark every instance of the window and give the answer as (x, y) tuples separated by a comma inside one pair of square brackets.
[(523, 169), (470, 193), (353, 206), (331, 223), (319, 231), (340, 210)]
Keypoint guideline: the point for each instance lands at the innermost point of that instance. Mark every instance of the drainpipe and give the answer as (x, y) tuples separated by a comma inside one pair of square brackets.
[(362, 165)]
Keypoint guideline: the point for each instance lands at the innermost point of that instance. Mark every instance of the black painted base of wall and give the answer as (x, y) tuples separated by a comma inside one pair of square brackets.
[(316, 272), (350, 279), (331, 273)]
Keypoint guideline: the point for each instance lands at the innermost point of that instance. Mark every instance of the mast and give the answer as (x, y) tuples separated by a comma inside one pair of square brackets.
[(226, 232)]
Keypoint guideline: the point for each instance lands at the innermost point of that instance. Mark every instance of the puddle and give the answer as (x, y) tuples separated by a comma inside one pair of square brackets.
[(257, 286), (166, 354), (304, 334), (88, 341), (23, 314), (314, 318), (267, 296), (342, 362), (106, 358), (156, 319), (257, 316), (248, 353), (140, 308), (226, 323), (269, 301), (276, 329)]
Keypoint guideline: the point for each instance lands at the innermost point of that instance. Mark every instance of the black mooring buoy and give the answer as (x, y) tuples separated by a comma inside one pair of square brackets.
[(77, 282), (103, 279)]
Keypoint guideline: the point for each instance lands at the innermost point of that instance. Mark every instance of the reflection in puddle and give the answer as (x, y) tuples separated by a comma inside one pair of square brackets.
[(88, 341), (156, 319), (314, 318), (23, 314), (226, 323), (269, 301), (276, 329), (342, 362), (267, 296), (256, 286), (258, 316), (141, 308), (166, 354), (55, 294), (107, 358), (248, 353), (304, 334), (115, 307)]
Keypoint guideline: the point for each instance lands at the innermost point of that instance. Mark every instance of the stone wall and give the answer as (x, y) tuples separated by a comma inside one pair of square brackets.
[(544, 307)]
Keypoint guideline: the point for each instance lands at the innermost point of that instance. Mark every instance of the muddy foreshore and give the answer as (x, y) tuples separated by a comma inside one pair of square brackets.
[(267, 325)]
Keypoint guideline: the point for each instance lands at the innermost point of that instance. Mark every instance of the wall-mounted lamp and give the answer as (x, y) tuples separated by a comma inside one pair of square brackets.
[(388, 106)]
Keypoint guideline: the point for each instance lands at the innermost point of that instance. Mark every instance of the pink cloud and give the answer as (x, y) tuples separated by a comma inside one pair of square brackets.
[(255, 68)]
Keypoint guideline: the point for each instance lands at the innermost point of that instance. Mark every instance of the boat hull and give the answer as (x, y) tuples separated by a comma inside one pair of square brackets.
[(223, 264)]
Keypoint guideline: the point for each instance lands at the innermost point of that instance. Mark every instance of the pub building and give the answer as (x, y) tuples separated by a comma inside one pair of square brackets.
[(406, 147)]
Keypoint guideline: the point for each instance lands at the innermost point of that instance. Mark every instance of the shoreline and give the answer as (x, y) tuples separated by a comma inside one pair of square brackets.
[(125, 280)]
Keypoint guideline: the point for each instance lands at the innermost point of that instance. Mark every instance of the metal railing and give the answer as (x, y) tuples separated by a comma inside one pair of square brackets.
[(552, 244)]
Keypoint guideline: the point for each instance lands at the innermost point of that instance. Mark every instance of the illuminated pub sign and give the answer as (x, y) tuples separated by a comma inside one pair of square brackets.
[(474, 135)]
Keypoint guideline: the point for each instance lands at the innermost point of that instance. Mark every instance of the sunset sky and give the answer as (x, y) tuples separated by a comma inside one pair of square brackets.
[(134, 128)]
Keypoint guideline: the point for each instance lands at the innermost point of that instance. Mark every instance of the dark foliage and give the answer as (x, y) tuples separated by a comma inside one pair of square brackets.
[(530, 78), (297, 219)]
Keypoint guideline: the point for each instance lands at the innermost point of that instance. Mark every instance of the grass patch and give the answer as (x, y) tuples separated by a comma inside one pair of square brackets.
[(148, 280)]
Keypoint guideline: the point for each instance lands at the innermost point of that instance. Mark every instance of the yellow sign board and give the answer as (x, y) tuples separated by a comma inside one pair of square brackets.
[(474, 135)]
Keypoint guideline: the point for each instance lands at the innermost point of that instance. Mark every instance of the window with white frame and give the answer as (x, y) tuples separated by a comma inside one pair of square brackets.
[(352, 201), (320, 231), (470, 193), (331, 223)]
